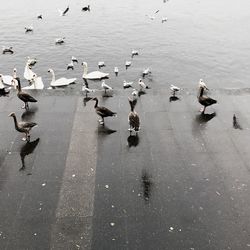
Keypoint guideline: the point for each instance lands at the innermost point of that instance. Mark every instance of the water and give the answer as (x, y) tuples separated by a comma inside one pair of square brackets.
[(201, 39)]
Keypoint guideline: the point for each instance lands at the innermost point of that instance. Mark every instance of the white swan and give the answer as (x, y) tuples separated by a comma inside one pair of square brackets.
[(28, 73), (7, 79), (36, 83), (95, 75), (61, 81)]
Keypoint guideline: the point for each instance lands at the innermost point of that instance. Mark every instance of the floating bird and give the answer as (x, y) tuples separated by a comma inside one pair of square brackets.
[(134, 53), (7, 79), (87, 90), (40, 16), (25, 97), (28, 73), (142, 85), (3, 90), (70, 65), (116, 70), (36, 83), (63, 13), (127, 84), (133, 118), (174, 89), (102, 111), (60, 40), (28, 29), (74, 60), (23, 127), (61, 81), (146, 72), (8, 50), (92, 75), (86, 8), (101, 64), (204, 100), (127, 64), (31, 61), (106, 86), (164, 19)]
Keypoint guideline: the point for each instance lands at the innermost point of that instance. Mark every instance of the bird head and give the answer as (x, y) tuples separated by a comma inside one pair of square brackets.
[(84, 64), (11, 114), (50, 70)]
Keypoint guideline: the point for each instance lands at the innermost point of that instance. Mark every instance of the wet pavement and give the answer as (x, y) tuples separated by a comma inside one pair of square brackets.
[(182, 183)]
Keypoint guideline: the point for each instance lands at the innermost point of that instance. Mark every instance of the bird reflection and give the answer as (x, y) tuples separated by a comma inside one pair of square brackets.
[(141, 92), (133, 140), (27, 149), (86, 99), (106, 95), (236, 124), (104, 130), (28, 114), (173, 98), (203, 118), (146, 185)]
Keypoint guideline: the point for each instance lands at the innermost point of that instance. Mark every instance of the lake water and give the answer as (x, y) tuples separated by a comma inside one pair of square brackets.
[(201, 39)]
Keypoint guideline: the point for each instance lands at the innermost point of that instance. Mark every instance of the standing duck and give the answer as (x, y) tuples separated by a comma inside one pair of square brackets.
[(23, 127), (102, 111), (204, 100), (133, 118), (25, 97)]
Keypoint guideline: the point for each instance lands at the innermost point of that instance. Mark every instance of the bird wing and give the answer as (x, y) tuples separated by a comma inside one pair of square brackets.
[(26, 97), (134, 120), (27, 124), (103, 111)]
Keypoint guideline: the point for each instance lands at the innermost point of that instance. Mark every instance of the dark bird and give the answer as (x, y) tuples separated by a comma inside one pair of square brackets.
[(8, 50), (70, 65), (86, 8), (133, 118), (23, 127), (25, 97), (102, 111), (40, 16), (205, 101)]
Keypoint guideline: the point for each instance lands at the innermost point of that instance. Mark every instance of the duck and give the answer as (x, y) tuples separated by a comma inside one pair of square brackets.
[(127, 84), (105, 86), (25, 97), (142, 85), (205, 101), (63, 13), (60, 40), (70, 65), (36, 83), (103, 111), (86, 8), (86, 90), (133, 118), (28, 73), (116, 70), (39, 16), (127, 64), (8, 50), (174, 89), (74, 60), (61, 81), (146, 72), (28, 29), (23, 127), (134, 53), (3, 90), (7, 79), (101, 64), (95, 75)]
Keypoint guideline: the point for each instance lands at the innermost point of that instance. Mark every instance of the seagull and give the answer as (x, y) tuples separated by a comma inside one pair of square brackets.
[(174, 89), (63, 13), (28, 29), (101, 64), (127, 64), (60, 40), (39, 16), (116, 70), (164, 19), (87, 90), (135, 95), (142, 85), (105, 86), (134, 53), (146, 72), (127, 84), (86, 8), (74, 60), (70, 65), (8, 50)]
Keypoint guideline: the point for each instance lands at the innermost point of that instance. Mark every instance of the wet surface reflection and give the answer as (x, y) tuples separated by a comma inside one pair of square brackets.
[(86, 99), (104, 130), (146, 185), (133, 140), (204, 118), (28, 115), (27, 149), (236, 124), (174, 98)]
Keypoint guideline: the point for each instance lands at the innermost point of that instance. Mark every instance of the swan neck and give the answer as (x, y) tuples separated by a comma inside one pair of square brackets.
[(53, 76), (201, 92)]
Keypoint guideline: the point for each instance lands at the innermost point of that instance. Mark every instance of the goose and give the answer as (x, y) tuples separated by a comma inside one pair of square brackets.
[(106, 86), (146, 72), (31, 61), (61, 81), (8, 50), (204, 100), (25, 97), (102, 111), (101, 64), (127, 64), (36, 83), (164, 19), (28, 73), (60, 40), (23, 127), (70, 65), (142, 85), (74, 60), (63, 13), (7, 79), (92, 75), (174, 89), (134, 53), (39, 16), (127, 84), (116, 70), (87, 90), (2, 87), (133, 118), (28, 29), (86, 8)]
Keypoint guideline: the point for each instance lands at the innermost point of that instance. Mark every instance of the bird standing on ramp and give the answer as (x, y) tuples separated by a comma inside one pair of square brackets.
[(25, 97), (23, 127), (102, 111), (106, 86), (133, 118)]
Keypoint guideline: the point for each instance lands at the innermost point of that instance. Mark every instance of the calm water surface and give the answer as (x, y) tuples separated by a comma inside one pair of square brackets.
[(201, 39)]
